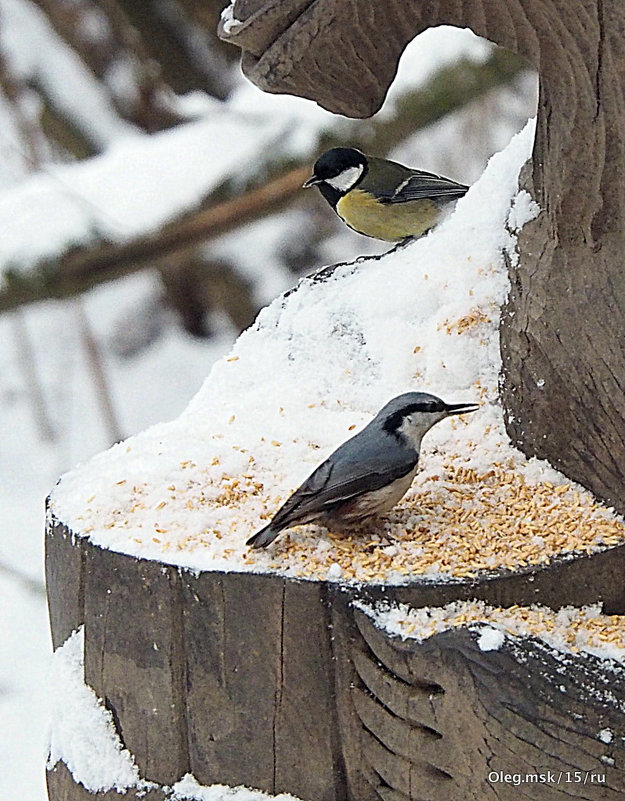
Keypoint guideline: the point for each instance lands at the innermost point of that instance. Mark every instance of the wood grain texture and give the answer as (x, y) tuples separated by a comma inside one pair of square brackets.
[(134, 658), (64, 564), (233, 645), (523, 709), (280, 684), (260, 675), (561, 333)]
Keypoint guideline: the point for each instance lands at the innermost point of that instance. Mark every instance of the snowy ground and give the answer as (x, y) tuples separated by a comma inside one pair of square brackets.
[(31, 463), (30, 468)]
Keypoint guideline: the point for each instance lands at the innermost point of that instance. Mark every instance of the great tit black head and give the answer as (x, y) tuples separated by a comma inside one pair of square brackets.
[(381, 198), (341, 168)]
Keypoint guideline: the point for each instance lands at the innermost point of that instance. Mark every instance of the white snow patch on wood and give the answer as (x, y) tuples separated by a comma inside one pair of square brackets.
[(84, 738), (82, 732), (568, 630), (188, 789), (490, 639)]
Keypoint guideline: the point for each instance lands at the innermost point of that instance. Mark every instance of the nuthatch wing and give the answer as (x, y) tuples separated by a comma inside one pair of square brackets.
[(381, 198), (367, 475)]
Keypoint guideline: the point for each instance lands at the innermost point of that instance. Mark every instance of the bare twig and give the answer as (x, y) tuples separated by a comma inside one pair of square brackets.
[(81, 270), (28, 365), (100, 380), (26, 581)]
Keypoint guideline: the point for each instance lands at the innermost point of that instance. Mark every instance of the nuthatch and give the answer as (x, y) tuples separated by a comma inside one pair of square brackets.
[(367, 475), (381, 198)]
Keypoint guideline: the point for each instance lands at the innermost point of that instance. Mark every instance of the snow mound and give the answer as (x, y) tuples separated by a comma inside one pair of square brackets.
[(82, 731), (316, 366)]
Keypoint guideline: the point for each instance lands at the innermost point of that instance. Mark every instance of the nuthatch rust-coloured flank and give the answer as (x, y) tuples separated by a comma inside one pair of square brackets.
[(367, 475)]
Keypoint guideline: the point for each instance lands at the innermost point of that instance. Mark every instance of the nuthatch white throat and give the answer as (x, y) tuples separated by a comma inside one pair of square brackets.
[(381, 198), (367, 475)]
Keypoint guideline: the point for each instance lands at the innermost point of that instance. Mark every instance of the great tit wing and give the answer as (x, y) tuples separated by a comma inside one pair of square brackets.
[(420, 185), (391, 182), (338, 480)]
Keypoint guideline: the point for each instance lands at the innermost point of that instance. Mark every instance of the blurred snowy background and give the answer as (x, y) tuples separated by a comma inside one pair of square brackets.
[(149, 206)]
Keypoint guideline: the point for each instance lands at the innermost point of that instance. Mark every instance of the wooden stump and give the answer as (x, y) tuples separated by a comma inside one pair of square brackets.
[(283, 685)]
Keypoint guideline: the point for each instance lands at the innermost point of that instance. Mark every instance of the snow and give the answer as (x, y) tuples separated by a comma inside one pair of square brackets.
[(569, 630), (490, 639), (37, 54), (524, 208), (433, 50), (138, 185), (335, 571), (24, 654), (187, 789), (315, 365), (82, 731), (83, 736), (606, 736), (229, 22), (263, 242)]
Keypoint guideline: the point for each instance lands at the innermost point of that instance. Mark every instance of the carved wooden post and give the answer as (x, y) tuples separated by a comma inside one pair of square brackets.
[(285, 686), (563, 349)]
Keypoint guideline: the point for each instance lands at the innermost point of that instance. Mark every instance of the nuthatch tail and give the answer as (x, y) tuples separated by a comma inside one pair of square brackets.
[(367, 475)]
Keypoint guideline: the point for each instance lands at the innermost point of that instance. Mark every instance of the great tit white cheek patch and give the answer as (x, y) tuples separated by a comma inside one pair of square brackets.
[(346, 179)]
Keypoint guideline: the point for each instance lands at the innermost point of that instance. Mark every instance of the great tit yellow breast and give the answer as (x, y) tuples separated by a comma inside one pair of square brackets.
[(390, 222)]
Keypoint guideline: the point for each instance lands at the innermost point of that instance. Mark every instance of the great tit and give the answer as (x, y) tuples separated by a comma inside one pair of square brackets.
[(381, 198), (369, 473)]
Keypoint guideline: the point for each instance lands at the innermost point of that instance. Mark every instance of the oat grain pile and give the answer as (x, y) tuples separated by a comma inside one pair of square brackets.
[(569, 630), (315, 368)]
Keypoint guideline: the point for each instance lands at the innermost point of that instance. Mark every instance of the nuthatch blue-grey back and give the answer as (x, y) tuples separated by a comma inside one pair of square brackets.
[(367, 475), (381, 198)]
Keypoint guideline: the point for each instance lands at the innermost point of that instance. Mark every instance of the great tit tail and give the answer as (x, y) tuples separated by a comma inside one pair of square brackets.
[(263, 537)]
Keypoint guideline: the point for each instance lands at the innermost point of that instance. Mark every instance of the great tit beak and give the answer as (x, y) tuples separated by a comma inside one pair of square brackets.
[(312, 181), (461, 408)]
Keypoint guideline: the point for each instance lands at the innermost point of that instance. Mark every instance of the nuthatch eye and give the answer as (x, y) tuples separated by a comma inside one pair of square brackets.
[(381, 198), (367, 475)]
